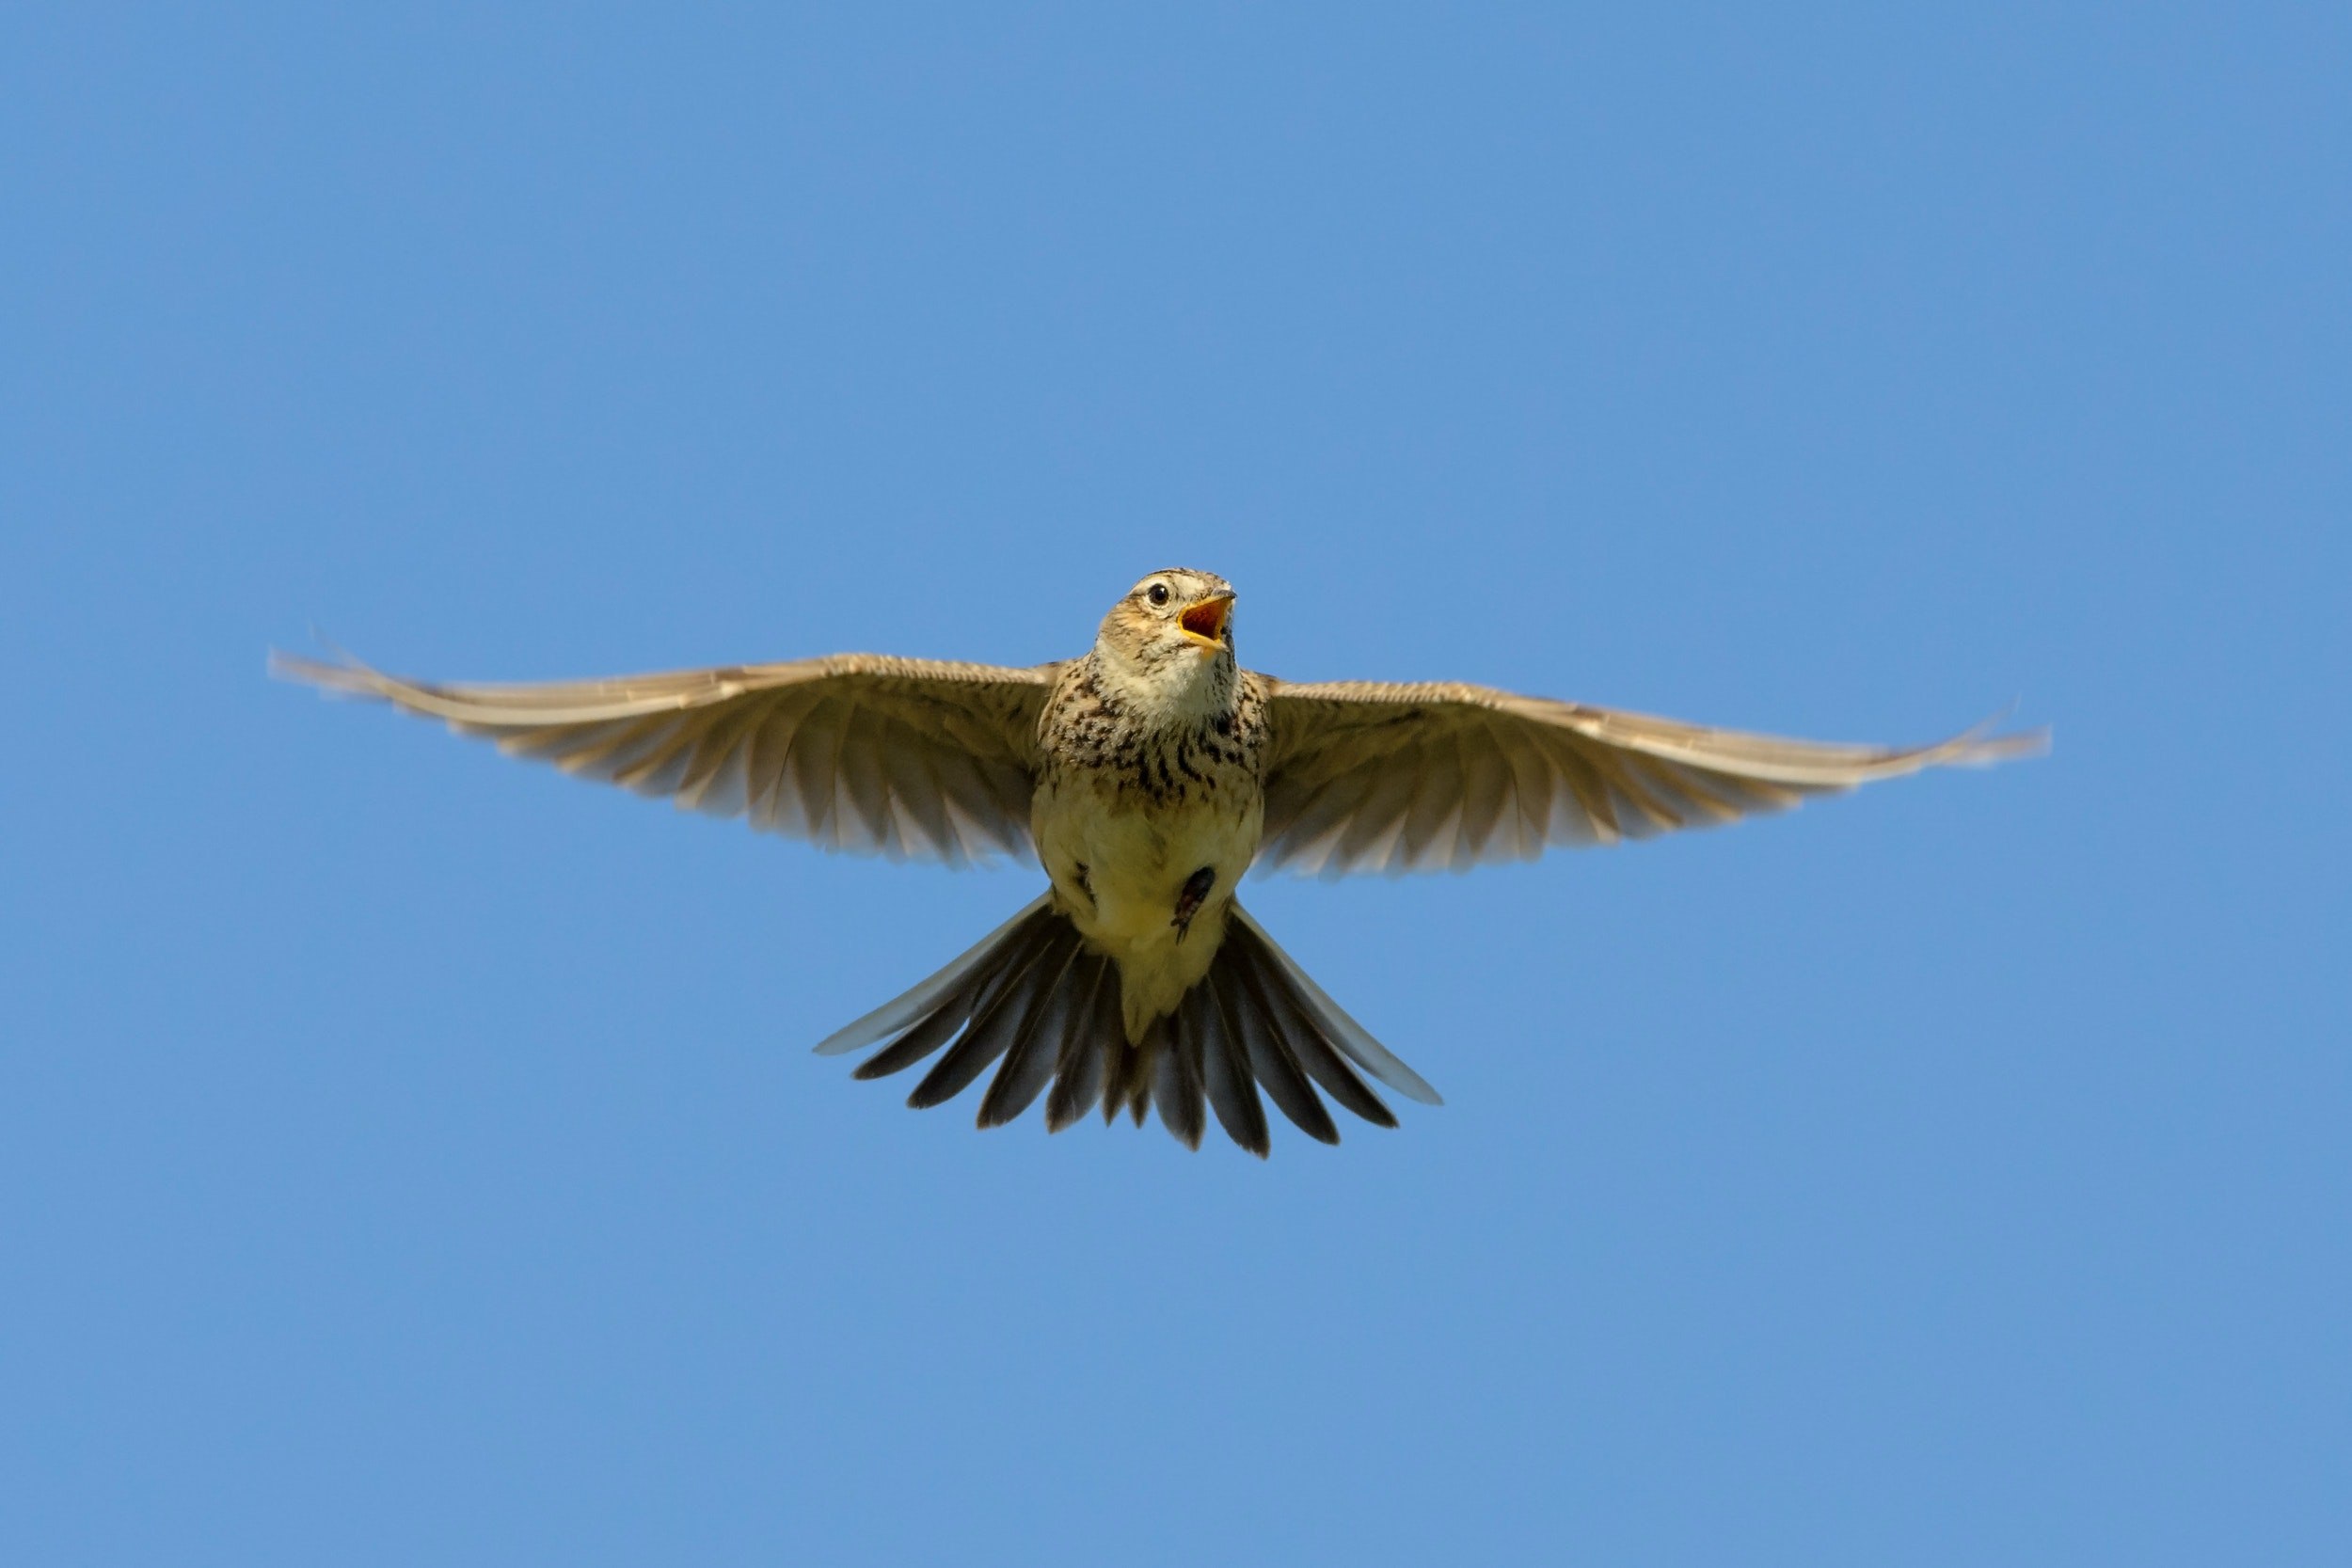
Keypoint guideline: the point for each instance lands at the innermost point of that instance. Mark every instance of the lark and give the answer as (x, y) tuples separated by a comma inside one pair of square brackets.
[(1147, 777)]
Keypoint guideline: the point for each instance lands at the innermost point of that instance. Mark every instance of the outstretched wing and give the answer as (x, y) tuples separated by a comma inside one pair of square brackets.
[(1362, 776), (859, 752)]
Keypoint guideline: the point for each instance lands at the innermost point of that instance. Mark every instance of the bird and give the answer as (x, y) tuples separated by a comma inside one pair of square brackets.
[(1146, 777)]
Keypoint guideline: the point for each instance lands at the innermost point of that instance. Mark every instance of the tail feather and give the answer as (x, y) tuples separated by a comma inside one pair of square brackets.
[(1078, 1072), (917, 1042), (1127, 1086), (1030, 1064), (1349, 1036), (1276, 1064), (904, 1009), (1010, 1010), (1224, 1070), (1298, 1028), (1176, 1082), (1033, 1001)]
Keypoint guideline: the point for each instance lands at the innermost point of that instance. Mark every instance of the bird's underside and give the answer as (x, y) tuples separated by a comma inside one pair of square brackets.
[(1090, 996)]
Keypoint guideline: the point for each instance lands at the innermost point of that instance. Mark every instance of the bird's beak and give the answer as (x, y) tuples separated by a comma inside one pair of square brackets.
[(1204, 622)]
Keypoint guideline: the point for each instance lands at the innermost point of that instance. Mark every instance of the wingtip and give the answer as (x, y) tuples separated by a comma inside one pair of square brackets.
[(280, 665), (345, 675), (1979, 747)]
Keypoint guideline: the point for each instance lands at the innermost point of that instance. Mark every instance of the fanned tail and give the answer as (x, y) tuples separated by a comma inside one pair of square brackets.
[(1030, 999)]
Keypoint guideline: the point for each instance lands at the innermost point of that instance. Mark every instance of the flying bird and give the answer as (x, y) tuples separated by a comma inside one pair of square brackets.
[(1145, 776)]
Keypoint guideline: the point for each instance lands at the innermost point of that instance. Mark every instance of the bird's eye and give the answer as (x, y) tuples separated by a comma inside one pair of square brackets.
[(1157, 593)]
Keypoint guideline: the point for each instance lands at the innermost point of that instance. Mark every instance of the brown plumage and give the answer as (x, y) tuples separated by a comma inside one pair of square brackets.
[(1147, 776)]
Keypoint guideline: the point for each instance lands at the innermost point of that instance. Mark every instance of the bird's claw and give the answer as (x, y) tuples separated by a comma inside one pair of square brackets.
[(1188, 902)]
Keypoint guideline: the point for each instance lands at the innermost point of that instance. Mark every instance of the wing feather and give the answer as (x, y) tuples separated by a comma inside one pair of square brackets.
[(812, 768), (1371, 836), (1362, 776), (769, 804), (1486, 799), (719, 751), (1534, 789), (1441, 788), (859, 780), (854, 751), (920, 801), (1325, 816)]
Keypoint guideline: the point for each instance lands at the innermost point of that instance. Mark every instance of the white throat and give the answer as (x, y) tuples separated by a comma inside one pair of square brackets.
[(1168, 680)]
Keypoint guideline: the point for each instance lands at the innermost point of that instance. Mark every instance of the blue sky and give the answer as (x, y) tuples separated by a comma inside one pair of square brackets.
[(409, 1156)]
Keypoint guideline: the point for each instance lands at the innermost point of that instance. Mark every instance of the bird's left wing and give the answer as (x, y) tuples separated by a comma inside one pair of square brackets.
[(859, 752), (1362, 776)]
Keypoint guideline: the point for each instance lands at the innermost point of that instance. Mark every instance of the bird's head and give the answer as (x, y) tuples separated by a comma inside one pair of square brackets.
[(1171, 639)]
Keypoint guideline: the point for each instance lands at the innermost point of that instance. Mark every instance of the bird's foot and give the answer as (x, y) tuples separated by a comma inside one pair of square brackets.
[(1188, 902)]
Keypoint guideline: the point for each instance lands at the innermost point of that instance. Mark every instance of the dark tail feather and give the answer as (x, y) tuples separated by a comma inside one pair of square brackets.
[(1175, 1056), (1127, 1086), (1004, 1018), (1290, 1022), (1078, 1070), (911, 1007), (1225, 1066), (1352, 1038), (1031, 997), (1035, 1059), (1275, 1062), (917, 1042)]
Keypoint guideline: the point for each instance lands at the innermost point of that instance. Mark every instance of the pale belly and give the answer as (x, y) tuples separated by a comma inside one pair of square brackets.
[(1120, 868)]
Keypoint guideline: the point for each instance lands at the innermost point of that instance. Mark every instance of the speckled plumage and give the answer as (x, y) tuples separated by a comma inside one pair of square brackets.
[(1151, 775), (1084, 729), (1147, 775)]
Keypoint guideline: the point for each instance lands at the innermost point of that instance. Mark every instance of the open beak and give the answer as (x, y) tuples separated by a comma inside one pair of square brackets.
[(1204, 622)]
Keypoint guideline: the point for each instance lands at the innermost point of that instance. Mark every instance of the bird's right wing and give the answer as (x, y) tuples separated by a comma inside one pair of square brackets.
[(858, 752), (1363, 776)]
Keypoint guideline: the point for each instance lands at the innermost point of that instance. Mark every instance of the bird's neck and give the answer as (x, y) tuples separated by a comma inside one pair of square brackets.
[(1159, 689)]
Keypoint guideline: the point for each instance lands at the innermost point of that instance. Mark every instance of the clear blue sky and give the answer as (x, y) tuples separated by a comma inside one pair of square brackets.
[(408, 1156)]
